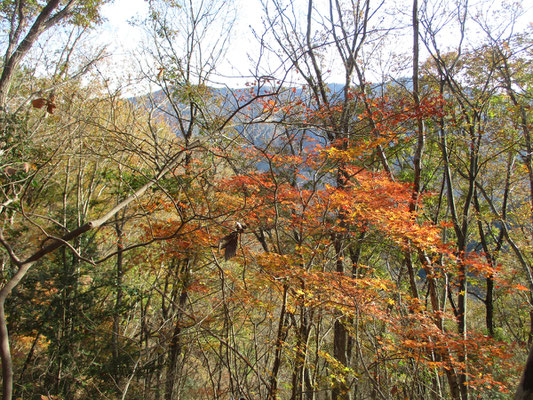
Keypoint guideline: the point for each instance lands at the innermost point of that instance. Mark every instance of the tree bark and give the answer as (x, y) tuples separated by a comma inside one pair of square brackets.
[(175, 345), (525, 387), (5, 355), (281, 336)]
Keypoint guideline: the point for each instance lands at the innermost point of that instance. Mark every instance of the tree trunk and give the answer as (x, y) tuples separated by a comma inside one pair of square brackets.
[(119, 272), (175, 345), (340, 390), (461, 322), (281, 336), (5, 356), (5, 350), (297, 379), (525, 387)]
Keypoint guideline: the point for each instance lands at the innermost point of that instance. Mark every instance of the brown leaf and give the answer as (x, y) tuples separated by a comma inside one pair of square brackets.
[(38, 103), (229, 244), (50, 107)]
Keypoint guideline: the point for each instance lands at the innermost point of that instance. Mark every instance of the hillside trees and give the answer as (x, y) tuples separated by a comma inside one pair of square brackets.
[(76, 204), (383, 221), (301, 48), (53, 164), (23, 23), (347, 29), (468, 79), (187, 41), (351, 121)]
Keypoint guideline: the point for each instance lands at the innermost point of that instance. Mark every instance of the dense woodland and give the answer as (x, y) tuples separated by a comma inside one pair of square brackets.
[(356, 222)]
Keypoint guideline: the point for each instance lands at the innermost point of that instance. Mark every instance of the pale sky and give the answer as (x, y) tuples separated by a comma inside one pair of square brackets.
[(123, 38), (118, 14)]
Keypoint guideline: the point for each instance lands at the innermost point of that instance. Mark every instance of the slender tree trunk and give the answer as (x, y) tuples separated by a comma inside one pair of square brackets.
[(420, 128), (419, 150), (297, 379), (174, 353), (340, 390), (453, 379), (489, 305), (309, 390), (280, 338), (461, 324), (119, 272), (5, 356), (5, 350), (462, 236), (490, 256), (176, 343)]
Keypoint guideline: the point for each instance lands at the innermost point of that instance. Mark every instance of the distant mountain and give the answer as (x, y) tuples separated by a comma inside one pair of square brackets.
[(225, 101)]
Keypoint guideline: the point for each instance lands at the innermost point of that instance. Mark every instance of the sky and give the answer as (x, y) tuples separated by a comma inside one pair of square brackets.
[(118, 13), (123, 37)]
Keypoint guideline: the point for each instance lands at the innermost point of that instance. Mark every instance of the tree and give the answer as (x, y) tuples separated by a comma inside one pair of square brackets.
[(379, 230), (25, 22), (20, 209)]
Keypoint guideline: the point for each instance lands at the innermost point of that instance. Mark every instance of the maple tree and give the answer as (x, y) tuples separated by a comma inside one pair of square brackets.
[(302, 224)]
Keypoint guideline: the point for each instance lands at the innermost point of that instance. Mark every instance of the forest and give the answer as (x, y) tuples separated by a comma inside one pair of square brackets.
[(354, 221)]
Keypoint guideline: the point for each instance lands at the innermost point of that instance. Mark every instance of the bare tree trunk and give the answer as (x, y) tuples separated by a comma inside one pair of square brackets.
[(281, 336), (490, 256), (5, 355), (525, 387), (340, 390), (175, 345), (419, 150), (301, 348), (453, 380), (119, 272)]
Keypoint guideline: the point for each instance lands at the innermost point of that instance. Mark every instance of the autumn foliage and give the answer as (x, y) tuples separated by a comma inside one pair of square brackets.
[(291, 239)]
